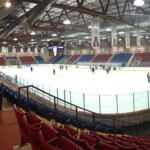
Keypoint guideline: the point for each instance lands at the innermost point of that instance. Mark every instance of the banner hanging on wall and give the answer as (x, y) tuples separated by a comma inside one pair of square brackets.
[(29, 50), (114, 42), (138, 40), (21, 50), (95, 28), (3, 50), (14, 50), (6, 50), (42, 50), (127, 38), (36, 50)]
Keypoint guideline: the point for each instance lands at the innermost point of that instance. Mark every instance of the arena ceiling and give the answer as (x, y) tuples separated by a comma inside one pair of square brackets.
[(46, 17)]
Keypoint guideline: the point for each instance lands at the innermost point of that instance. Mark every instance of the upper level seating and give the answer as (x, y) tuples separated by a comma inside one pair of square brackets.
[(85, 58), (2, 61), (39, 59), (122, 58), (141, 60), (27, 60), (52, 59), (11, 58), (63, 60), (58, 59), (43, 137), (101, 58), (72, 59)]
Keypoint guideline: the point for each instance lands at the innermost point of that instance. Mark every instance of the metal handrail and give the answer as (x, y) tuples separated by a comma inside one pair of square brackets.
[(9, 80)]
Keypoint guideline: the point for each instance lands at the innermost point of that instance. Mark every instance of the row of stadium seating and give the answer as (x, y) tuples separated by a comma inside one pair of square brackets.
[(138, 60), (44, 137), (122, 59), (39, 134), (24, 59), (65, 118)]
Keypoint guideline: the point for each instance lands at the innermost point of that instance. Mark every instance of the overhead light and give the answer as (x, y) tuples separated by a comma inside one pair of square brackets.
[(138, 3), (120, 39), (108, 29), (134, 35), (54, 34), (4, 42), (67, 21), (87, 37), (7, 4), (147, 37), (121, 32), (32, 39), (32, 33), (89, 27), (15, 39), (18, 43), (141, 36), (103, 38)]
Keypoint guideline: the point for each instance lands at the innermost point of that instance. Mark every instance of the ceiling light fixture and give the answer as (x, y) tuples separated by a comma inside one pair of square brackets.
[(67, 21), (54, 34), (89, 27), (103, 38), (15, 39), (138, 3), (121, 32), (7, 4), (32, 33), (108, 29)]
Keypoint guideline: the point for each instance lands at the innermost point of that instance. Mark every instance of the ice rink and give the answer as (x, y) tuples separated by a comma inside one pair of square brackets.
[(99, 88)]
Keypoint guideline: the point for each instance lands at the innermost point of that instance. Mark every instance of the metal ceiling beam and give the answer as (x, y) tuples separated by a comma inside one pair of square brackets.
[(37, 12), (95, 13), (6, 11)]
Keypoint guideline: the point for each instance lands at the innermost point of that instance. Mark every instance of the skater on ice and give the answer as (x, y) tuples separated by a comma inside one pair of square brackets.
[(31, 69), (54, 71), (148, 77)]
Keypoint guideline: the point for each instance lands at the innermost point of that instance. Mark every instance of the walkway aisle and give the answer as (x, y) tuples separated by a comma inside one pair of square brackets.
[(9, 130)]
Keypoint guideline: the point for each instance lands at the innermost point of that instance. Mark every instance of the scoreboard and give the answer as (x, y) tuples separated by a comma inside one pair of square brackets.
[(56, 48)]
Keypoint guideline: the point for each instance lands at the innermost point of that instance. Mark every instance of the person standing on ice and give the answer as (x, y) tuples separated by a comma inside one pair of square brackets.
[(31, 69), (53, 71), (148, 77)]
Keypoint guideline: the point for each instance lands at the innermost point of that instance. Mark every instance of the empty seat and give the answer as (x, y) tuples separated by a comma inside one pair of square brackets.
[(61, 131), (22, 128), (32, 132), (66, 144), (82, 143), (90, 140), (50, 134), (105, 146), (71, 130), (44, 144)]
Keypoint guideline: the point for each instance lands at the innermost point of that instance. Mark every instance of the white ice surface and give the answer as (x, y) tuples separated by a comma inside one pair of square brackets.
[(84, 81)]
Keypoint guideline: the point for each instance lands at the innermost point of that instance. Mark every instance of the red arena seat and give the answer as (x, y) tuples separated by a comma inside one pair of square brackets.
[(66, 144)]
